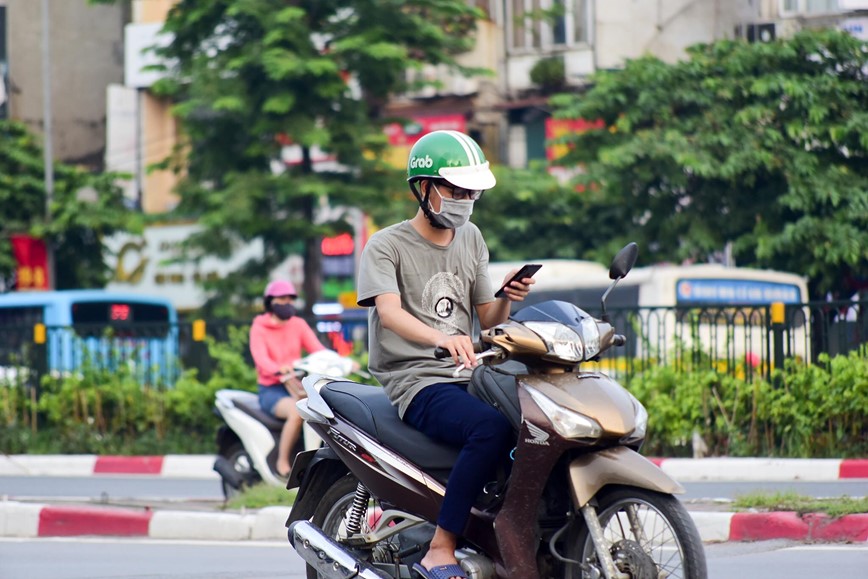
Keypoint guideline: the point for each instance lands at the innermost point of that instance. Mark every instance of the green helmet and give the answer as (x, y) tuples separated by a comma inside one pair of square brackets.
[(453, 156)]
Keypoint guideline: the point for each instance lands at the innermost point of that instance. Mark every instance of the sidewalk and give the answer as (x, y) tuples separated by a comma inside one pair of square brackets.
[(191, 521)]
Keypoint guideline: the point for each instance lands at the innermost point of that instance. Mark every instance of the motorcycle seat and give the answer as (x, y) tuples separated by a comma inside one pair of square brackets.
[(253, 409), (369, 408)]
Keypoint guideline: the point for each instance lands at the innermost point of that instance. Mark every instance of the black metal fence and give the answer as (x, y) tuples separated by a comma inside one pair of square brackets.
[(747, 341)]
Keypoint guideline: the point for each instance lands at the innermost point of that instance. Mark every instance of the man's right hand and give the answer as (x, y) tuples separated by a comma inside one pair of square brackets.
[(461, 348)]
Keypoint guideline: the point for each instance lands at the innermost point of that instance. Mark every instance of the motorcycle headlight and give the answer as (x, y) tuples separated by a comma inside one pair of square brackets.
[(568, 423), (591, 337), (562, 342)]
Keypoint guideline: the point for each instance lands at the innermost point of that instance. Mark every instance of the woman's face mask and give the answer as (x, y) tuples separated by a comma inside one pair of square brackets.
[(283, 311), (453, 213)]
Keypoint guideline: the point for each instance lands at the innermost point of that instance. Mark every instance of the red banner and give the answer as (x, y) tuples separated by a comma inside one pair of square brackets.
[(32, 258), (403, 137), (407, 135)]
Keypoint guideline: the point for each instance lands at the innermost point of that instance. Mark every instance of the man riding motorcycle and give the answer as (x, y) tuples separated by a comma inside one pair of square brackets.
[(424, 279)]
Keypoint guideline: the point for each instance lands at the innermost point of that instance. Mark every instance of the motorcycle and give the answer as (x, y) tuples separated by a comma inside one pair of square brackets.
[(247, 440), (579, 501)]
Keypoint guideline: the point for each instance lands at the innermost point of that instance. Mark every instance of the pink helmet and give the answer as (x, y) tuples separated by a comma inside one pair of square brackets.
[(280, 287)]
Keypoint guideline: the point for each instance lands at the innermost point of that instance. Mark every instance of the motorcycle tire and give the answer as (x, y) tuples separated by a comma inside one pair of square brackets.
[(670, 547), (331, 512), (240, 461)]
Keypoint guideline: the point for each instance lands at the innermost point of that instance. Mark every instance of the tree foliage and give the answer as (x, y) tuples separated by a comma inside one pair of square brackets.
[(85, 206), (250, 76), (530, 215), (764, 146)]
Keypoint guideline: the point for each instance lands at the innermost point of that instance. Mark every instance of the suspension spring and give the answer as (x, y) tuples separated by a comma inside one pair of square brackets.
[(358, 510)]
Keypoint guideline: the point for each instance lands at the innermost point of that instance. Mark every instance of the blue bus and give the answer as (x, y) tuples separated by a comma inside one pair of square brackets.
[(106, 329)]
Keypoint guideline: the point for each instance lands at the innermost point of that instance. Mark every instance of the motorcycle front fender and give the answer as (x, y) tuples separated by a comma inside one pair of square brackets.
[(616, 466)]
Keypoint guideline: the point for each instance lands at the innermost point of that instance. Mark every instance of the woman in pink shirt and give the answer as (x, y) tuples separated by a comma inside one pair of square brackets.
[(277, 339)]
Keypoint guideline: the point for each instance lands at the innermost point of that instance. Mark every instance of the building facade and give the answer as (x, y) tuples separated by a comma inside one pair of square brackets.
[(86, 55)]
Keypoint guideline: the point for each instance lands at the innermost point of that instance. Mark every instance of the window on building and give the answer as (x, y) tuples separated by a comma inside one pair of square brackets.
[(543, 24), (790, 7), (822, 6)]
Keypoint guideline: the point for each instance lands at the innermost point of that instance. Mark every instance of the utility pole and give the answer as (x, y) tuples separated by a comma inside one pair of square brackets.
[(48, 154)]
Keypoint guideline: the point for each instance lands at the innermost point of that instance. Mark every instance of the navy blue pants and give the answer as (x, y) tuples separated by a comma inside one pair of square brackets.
[(446, 412)]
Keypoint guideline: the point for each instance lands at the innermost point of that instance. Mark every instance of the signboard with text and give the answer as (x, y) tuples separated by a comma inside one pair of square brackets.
[(402, 137), (735, 291), (31, 272), (149, 264)]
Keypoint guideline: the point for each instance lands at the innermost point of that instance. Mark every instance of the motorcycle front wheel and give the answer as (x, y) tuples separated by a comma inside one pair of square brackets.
[(650, 535)]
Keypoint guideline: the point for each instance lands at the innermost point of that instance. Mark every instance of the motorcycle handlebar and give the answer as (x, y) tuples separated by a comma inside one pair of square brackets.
[(441, 353), (619, 340)]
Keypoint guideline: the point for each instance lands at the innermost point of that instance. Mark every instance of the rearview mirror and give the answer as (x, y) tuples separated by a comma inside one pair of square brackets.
[(624, 261)]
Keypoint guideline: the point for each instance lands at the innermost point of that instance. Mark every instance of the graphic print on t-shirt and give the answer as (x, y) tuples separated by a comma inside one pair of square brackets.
[(441, 297)]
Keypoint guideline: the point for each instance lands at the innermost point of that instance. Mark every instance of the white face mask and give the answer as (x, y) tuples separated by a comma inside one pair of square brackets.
[(453, 213)]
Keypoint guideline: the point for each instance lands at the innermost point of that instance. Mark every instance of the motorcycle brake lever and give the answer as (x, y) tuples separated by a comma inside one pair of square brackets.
[(480, 356)]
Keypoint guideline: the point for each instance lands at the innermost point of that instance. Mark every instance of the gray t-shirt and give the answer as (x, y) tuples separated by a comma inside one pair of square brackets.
[(438, 286)]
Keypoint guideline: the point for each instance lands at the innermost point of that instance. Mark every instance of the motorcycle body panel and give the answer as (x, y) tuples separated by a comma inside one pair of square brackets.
[(258, 439), (592, 394), (618, 465)]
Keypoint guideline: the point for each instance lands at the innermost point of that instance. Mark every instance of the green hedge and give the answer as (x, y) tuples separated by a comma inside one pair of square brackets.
[(804, 411), (812, 411), (98, 411)]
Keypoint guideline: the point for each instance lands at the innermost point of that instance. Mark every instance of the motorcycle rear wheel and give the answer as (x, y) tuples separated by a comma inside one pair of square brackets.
[(668, 547), (243, 465), (332, 511)]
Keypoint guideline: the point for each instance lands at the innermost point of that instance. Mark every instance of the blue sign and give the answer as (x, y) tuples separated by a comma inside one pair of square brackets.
[(736, 291)]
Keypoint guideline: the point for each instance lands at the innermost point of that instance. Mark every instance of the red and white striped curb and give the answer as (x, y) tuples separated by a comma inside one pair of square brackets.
[(681, 469), (33, 520), (190, 466), (719, 527)]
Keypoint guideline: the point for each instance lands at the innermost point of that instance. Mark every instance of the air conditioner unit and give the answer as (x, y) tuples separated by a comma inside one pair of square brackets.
[(757, 31)]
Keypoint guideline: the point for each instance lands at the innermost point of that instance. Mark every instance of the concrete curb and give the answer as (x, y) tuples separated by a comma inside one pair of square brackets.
[(200, 467), (28, 520), (188, 466), (763, 469)]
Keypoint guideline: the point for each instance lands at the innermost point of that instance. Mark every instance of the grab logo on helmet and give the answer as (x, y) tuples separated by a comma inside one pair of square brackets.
[(425, 162)]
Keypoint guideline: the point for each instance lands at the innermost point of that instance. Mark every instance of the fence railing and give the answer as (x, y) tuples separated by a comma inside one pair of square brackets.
[(748, 341)]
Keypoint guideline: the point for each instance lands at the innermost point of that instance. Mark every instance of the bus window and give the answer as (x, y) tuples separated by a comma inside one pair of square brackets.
[(21, 316), (115, 312), (108, 329), (92, 318), (16, 332)]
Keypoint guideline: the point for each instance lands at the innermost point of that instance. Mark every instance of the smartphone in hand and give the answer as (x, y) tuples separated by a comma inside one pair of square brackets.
[(527, 270)]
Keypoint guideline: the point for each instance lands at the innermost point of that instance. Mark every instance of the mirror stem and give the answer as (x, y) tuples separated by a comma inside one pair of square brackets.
[(605, 316)]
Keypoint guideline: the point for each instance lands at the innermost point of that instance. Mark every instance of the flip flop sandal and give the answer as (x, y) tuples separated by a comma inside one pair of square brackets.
[(439, 572)]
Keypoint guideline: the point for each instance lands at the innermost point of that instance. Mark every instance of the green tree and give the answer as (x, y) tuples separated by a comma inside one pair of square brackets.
[(252, 75), (530, 215), (85, 206), (764, 146)]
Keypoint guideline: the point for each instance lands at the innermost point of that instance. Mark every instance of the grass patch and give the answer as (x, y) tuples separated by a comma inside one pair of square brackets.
[(262, 495), (790, 501)]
